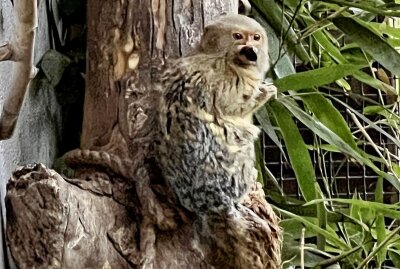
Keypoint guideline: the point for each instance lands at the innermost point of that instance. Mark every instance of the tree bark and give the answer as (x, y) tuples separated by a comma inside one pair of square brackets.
[(117, 212), (20, 50)]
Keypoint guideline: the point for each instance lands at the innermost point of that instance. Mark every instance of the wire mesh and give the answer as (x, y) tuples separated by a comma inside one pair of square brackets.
[(344, 175)]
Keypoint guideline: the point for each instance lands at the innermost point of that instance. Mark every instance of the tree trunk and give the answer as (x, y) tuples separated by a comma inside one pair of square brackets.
[(117, 212)]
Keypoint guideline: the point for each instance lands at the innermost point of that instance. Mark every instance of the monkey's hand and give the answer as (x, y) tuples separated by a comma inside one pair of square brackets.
[(268, 91)]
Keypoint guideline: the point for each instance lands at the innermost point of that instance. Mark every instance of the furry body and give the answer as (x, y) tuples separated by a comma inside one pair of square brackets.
[(207, 146)]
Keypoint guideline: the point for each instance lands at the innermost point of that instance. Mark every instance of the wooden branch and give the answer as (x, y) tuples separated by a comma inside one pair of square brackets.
[(21, 51), (54, 222)]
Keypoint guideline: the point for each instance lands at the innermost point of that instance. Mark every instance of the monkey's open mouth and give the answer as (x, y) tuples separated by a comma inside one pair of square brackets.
[(249, 53)]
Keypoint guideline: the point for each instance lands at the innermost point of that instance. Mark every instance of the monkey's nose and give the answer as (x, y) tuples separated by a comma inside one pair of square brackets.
[(250, 53)]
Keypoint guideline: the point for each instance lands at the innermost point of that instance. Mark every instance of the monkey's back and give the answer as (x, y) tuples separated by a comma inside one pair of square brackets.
[(207, 159)]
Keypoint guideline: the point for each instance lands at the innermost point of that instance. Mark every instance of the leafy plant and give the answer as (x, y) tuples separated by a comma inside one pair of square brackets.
[(341, 44)]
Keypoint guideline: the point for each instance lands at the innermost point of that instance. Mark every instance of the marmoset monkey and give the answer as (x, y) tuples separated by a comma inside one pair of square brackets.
[(206, 152)]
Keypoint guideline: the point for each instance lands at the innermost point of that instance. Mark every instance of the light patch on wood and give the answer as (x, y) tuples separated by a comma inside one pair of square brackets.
[(119, 67), (159, 16), (123, 59), (106, 265), (133, 60), (187, 3), (118, 63), (117, 35), (128, 47)]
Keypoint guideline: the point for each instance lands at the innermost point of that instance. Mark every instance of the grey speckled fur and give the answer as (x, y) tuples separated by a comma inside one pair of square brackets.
[(206, 152)]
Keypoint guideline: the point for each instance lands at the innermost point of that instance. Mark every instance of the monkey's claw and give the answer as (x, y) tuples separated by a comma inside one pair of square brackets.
[(269, 90)]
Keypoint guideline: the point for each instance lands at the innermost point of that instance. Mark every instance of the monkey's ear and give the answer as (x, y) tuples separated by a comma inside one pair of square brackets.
[(209, 39)]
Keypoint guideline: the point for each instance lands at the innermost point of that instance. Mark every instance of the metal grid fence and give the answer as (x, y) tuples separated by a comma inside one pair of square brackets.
[(344, 175)]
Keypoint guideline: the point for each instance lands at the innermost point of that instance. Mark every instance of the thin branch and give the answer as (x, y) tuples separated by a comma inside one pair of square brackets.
[(303, 232), (292, 19), (366, 135), (25, 13)]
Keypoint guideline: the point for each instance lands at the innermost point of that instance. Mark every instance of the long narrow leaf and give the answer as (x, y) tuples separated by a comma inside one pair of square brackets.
[(389, 210), (373, 82), (380, 222), (316, 77), (370, 123), (370, 42), (330, 236), (322, 131), (266, 125), (325, 42), (378, 248), (297, 151), (325, 112)]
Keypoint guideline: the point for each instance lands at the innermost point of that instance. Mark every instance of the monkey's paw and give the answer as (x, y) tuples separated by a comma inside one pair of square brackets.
[(269, 91)]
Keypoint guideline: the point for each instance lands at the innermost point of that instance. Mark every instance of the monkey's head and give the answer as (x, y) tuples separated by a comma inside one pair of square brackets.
[(243, 40)]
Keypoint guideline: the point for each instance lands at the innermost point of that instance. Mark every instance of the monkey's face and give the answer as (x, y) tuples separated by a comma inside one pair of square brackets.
[(246, 48), (241, 38)]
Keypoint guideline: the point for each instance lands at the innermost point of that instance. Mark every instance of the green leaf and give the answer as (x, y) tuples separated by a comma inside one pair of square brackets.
[(316, 77), (388, 210), (355, 55), (266, 125), (378, 248), (264, 176), (340, 58), (325, 147), (291, 254), (371, 110), (370, 42), (380, 222), (386, 29), (331, 236), (395, 258), (323, 40), (291, 226), (326, 134), (297, 150), (338, 258), (394, 42), (373, 82), (370, 123), (320, 129), (259, 162), (326, 113)]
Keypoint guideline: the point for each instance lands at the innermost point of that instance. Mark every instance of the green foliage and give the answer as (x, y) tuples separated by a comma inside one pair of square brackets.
[(355, 233)]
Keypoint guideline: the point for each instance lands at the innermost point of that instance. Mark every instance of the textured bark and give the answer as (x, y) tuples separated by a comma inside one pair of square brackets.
[(117, 212)]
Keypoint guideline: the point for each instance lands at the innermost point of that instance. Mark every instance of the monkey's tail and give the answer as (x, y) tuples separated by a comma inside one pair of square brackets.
[(237, 238)]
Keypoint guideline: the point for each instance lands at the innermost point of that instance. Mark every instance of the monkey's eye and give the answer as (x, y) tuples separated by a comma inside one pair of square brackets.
[(237, 36), (257, 37)]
